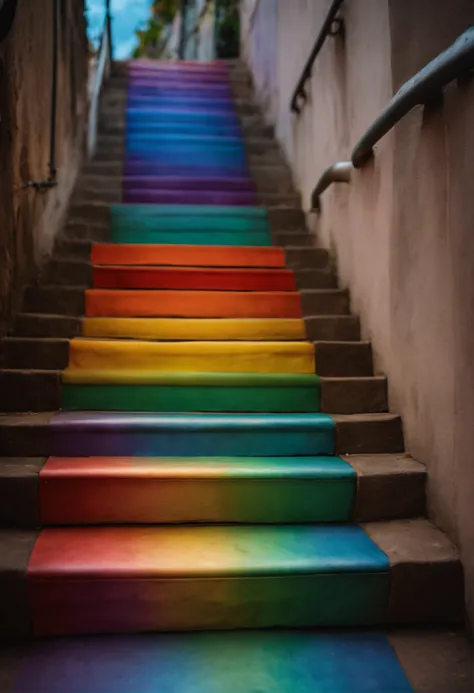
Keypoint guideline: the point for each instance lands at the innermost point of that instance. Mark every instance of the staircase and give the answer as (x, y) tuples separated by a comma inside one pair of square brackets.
[(193, 438)]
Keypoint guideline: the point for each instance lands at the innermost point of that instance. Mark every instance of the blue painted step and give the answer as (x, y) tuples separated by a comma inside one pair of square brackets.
[(251, 662), (246, 435)]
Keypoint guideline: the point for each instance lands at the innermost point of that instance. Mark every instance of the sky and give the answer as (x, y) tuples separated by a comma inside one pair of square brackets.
[(127, 15)]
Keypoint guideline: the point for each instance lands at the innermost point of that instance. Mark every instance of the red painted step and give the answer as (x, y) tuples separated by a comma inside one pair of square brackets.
[(199, 278)]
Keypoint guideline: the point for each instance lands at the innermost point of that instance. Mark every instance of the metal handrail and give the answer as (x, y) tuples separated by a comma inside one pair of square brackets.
[(445, 68), (337, 173), (300, 92), (429, 81), (102, 71)]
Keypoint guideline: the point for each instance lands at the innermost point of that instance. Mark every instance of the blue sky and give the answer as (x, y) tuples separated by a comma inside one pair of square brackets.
[(127, 15)]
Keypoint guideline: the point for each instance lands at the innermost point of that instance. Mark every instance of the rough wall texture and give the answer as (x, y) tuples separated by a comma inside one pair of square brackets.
[(402, 232), (29, 220)]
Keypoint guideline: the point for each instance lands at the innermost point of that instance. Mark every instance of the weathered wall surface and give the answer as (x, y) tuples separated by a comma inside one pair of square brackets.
[(29, 220), (402, 232)]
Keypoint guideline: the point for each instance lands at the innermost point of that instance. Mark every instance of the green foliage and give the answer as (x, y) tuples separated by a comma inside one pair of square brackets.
[(227, 29), (163, 12)]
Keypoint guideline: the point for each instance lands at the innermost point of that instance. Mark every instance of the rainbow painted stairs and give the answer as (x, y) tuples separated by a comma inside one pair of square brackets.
[(194, 439)]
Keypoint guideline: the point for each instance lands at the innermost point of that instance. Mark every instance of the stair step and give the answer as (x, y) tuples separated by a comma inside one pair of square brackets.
[(80, 491), (90, 580), (97, 490), (194, 278), (44, 325), (29, 390), (206, 304), (183, 329), (168, 303), (74, 301), (151, 391), (136, 195), (40, 434), (35, 353), (192, 357), (318, 328), (312, 569), (306, 258), (292, 238), (241, 662), (40, 390), (67, 272), (187, 255), (60, 300)]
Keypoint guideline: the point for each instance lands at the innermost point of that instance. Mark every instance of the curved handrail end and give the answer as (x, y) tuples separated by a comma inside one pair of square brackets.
[(339, 172)]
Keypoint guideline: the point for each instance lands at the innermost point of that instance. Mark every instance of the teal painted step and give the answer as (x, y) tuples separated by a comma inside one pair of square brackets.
[(190, 490), (192, 211), (146, 232), (199, 392), (190, 224), (232, 662), (85, 434)]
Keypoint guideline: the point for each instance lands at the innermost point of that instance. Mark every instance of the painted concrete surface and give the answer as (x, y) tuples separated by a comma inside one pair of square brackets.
[(401, 233)]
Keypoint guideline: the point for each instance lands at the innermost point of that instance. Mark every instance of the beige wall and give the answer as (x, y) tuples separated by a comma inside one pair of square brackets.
[(29, 220), (403, 232)]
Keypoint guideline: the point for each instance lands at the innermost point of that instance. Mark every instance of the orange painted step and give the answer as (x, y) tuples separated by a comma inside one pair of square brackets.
[(195, 278), (192, 304), (186, 255)]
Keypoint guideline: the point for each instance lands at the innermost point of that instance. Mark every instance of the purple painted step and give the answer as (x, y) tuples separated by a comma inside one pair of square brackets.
[(154, 168), (191, 197), (226, 184)]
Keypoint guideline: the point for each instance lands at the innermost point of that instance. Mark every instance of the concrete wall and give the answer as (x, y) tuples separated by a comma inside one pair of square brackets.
[(402, 233), (29, 220)]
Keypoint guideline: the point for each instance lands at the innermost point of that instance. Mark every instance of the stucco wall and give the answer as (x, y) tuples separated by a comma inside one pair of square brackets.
[(402, 232), (29, 220)]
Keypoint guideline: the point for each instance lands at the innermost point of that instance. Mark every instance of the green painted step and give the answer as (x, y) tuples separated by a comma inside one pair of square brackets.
[(191, 392)]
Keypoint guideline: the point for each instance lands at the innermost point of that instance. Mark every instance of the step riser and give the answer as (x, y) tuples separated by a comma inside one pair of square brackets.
[(197, 279), (70, 442), (143, 303), (121, 501), (192, 357), (115, 607), (189, 399)]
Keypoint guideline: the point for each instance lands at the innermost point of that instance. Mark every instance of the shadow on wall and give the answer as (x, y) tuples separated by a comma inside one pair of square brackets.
[(29, 220)]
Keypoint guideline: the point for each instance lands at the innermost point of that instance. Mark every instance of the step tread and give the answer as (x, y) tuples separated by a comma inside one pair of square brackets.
[(309, 661), (202, 551), (185, 468)]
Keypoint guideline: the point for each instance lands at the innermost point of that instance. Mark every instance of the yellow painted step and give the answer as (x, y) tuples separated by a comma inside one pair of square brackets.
[(193, 357), (195, 329)]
